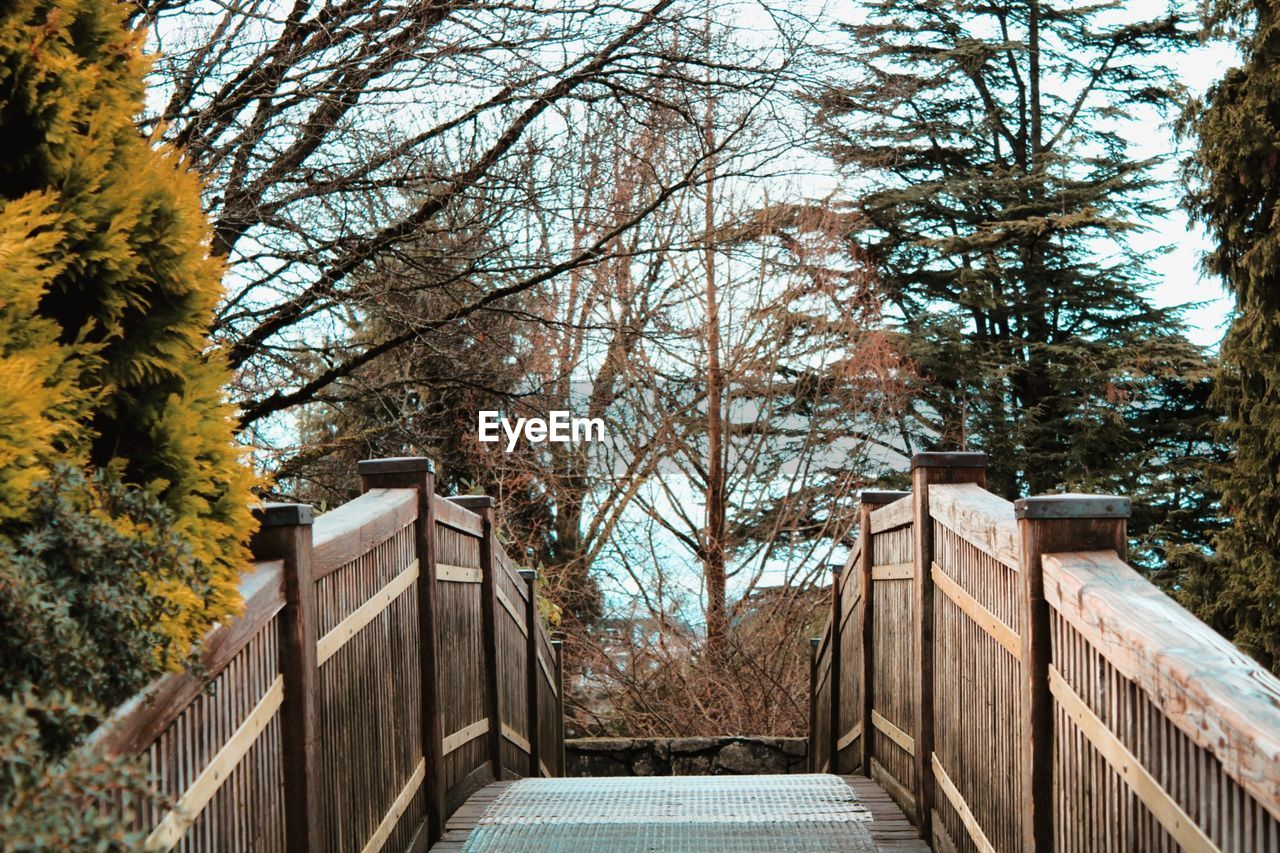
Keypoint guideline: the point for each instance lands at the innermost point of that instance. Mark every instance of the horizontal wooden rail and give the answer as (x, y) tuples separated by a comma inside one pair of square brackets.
[(465, 735), (458, 574), (184, 813), (893, 572), (981, 616), (1021, 688), (358, 639), (450, 514), (355, 528), (899, 513), (895, 734), (979, 517), (350, 626), (1221, 699)]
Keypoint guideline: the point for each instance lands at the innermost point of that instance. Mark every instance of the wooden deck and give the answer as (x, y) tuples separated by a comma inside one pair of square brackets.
[(889, 828)]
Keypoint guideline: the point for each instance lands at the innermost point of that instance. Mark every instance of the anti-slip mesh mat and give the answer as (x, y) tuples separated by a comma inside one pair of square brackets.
[(811, 813)]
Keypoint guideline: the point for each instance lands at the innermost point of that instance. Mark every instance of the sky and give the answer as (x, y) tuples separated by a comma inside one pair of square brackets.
[(1180, 280), (1180, 277)]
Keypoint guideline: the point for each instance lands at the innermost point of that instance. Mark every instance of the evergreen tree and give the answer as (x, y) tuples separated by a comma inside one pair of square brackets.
[(987, 152), (1234, 171), (106, 289)]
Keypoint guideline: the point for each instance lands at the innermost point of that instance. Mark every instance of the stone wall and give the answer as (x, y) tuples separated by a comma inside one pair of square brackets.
[(690, 756)]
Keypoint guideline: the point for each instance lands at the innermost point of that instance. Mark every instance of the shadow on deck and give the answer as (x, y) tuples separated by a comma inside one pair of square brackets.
[(808, 813)]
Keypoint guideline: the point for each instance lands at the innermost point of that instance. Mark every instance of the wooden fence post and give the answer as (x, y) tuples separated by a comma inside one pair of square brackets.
[(833, 730), (284, 533), (483, 506), (419, 473), (870, 501), (558, 644), (534, 727), (1047, 525), (930, 469), (814, 642)]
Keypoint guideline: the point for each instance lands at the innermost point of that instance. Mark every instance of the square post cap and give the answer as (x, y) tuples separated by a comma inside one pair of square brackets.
[(557, 644), (1072, 506), (880, 497), (473, 501), (282, 515), (528, 574), (395, 465), (814, 642), (948, 460)]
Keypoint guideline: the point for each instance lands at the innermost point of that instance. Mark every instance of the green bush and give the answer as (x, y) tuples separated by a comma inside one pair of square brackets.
[(74, 802), (81, 629), (78, 599), (107, 290)]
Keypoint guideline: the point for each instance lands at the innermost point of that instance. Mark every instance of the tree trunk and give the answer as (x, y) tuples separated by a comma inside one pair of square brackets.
[(713, 560)]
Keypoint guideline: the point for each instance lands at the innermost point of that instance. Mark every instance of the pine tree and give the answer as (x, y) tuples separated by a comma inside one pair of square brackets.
[(986, 149), (106, 289), (1237, 196)]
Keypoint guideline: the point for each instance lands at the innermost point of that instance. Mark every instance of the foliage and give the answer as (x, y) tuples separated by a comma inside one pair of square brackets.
[(107, 291), (640, 675), (1236, 195), (84, 594), (72, 801), (999, 197)]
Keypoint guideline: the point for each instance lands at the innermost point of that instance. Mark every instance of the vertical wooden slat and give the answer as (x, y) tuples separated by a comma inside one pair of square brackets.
[(870, 500), (532, 672), (814, 642), (833, 731), (285, 534), (1047, 525), (930, 469), (558, 645), (482, 505), (419, 473)]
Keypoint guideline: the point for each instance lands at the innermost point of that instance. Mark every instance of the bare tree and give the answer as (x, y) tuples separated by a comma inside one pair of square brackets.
[(334, 133)]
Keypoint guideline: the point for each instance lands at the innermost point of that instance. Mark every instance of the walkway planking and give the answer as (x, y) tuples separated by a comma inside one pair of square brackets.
[(808, 813)]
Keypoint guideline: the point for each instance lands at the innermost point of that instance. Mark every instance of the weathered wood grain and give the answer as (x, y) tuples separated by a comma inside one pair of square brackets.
[(450, 513), (982, 617), (1220, 698), (135, 724), (1171, 816), (337, 637), (356, 527), (169, 831), (979, 517), (929, 473), (896, 514)]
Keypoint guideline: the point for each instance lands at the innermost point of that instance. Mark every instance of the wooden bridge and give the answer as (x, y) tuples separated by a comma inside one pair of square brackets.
[(993, 677)]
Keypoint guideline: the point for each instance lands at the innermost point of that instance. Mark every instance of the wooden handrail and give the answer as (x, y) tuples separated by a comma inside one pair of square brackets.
[(344, 533), (1214, 693), (982, 519), (1063, 661), (135, 723), (265, 744), (899, 513)]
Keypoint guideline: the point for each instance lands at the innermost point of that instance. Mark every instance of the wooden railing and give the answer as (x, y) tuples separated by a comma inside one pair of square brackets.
[(389, 661), (1027, 690)]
